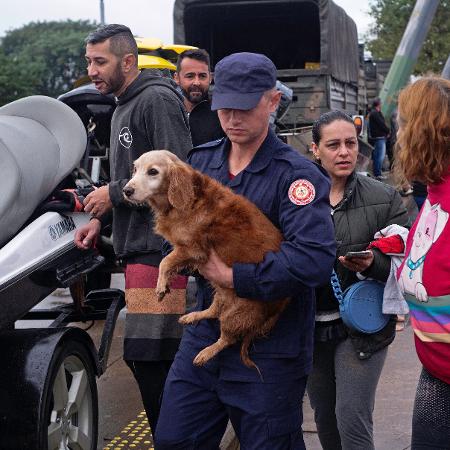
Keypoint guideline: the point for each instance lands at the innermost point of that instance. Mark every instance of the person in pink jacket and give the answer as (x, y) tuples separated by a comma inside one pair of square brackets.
[(424, 276)]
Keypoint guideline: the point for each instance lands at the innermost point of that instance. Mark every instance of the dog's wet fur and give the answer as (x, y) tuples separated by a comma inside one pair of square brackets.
[(197, 214)]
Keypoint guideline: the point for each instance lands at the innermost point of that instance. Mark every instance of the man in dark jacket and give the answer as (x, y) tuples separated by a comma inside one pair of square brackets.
[(193, 76), (378, 133), (149, 115)]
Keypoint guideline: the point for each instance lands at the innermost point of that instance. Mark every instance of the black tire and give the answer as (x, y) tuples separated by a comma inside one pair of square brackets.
[(69, 409)]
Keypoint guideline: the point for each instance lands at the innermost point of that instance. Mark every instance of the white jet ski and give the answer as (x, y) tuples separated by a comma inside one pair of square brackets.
[(41, 141)]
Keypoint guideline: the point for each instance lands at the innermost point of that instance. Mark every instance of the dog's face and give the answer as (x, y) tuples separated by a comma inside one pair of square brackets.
[(150, 176), (161, 178)]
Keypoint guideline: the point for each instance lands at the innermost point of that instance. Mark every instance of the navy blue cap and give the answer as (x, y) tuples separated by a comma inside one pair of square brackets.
[(241, 79)]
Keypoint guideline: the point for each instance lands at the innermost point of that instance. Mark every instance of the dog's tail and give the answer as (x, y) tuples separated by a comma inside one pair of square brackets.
[(244, 355)]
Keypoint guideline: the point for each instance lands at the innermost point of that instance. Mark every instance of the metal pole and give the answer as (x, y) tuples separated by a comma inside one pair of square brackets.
[(102, 13), (446, 71), (407, 53)]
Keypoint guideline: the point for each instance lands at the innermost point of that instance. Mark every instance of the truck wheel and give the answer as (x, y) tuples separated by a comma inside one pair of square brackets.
[(70, 400)]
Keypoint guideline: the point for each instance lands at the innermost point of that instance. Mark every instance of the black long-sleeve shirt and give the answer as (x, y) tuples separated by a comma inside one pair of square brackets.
[(377, 125), (204, 124)]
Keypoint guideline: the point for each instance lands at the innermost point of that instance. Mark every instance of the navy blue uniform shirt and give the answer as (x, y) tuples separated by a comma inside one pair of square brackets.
[(293, 193)]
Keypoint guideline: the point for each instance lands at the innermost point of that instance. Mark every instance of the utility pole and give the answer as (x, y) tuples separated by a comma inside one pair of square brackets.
[(407, 53), (102, 13)]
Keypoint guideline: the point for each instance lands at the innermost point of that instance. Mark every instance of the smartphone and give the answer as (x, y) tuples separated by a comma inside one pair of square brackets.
[(361, 254)]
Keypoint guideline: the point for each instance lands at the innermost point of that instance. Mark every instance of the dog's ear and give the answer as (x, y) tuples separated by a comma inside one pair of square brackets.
[(181, 192)]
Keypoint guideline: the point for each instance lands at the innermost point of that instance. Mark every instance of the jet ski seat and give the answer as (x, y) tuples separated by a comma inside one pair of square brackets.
[(41, 141)]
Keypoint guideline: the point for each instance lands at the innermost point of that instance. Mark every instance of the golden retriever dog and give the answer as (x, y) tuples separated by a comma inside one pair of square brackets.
[(197, 214)]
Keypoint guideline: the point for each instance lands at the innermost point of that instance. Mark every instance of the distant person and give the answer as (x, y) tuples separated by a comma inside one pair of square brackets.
[(347, 364), (149, 115), (193, 76), (424, 155), (378, 133), (392, 139)]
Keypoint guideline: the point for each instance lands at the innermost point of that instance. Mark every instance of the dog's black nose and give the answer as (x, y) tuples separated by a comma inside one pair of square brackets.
[(128, 191)]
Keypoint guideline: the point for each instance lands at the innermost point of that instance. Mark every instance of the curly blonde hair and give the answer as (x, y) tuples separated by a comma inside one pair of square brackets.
[(423, 145)]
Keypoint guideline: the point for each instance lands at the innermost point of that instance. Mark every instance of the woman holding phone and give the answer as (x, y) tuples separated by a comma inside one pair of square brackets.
[(348, 364)]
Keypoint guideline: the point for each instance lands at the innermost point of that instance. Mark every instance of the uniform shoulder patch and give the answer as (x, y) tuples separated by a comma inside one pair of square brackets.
[(301, 192)]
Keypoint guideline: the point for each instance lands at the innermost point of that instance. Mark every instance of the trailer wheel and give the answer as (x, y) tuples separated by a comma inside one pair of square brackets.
[(70, 402)]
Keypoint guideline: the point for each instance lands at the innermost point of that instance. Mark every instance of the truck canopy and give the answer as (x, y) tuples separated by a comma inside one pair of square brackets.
[(295, 34)]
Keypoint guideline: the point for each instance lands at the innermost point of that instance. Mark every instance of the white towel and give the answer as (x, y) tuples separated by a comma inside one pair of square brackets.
[(393, 300)]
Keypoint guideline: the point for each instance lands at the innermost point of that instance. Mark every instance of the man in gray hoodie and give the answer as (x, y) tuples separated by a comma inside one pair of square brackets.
[(149, 115)]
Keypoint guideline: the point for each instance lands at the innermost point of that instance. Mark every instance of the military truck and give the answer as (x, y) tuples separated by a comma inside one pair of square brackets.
[(313, 43)]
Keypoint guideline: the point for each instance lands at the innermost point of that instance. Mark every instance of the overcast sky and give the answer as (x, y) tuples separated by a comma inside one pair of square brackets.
[(146, 18)]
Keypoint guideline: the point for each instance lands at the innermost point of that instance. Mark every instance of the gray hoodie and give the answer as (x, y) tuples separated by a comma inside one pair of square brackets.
[(149, 116)]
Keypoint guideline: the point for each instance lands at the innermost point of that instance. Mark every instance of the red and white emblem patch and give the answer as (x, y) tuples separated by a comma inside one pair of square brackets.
[(301, 192)]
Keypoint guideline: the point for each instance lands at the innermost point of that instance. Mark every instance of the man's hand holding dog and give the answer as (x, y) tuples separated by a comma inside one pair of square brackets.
[(98, 202), (217, 271)]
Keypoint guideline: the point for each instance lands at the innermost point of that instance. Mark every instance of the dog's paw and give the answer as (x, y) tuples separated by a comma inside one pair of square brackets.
[(161, 293), (187, 318), (203, 357)]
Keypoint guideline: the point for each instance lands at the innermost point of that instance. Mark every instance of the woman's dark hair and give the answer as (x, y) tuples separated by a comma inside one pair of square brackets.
[(326, 119)]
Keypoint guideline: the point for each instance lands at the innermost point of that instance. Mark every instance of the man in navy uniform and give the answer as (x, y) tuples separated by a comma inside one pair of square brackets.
[(293, 193)]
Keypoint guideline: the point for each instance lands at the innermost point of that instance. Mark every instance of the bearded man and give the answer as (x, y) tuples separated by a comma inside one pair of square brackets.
[(149, 115), (193, 76)]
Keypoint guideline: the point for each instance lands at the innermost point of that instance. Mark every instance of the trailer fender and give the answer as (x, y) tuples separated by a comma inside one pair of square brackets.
[(33, 363)]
